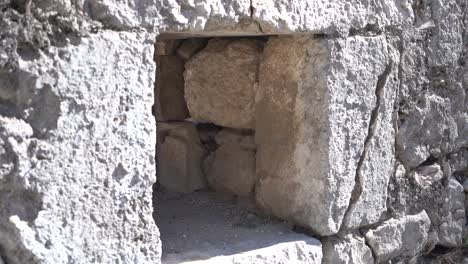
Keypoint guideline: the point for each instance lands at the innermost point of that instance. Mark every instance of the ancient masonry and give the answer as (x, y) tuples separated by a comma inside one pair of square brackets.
[(251, 131)]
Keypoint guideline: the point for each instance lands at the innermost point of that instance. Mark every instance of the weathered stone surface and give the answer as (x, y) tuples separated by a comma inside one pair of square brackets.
[(405, 236), (221, 81), (214, 15), (442, 199), (351, 249), (74, 125), (426, 176), (453, 218), (376, 165), (179, 157), (428, 130), (446, 43), (329, 16), (318, 97), (231, 168), (80, 187), (169, 89)]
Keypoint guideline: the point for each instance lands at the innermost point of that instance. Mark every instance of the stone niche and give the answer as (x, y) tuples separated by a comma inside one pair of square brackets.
[(297, 127)]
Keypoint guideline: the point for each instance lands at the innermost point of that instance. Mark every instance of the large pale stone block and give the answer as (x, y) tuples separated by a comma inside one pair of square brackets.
[(179, 157), (220, 82), (231, 167), (316, 118), (81, 155)]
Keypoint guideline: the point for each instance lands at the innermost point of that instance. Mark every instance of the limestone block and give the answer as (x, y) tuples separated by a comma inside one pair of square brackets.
[(169, 92), (81, 193), (329, 15), (404, 236), (313, 117), (231, 168), (351, 249), (220, 82), (179, 157)]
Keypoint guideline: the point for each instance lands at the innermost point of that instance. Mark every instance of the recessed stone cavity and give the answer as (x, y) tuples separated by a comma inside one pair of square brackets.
[(282, 122)]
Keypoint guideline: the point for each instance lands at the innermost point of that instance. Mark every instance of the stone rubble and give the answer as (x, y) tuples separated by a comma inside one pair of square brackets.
[(404, 236)]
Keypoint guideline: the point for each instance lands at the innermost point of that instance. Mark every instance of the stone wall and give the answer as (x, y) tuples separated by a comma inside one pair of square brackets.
[(389, 78)]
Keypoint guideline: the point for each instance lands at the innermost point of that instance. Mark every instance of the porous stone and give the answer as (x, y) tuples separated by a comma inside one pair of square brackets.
[(221, 81), (81, 186), (231, 168), (452, 216), (442, 199), (169, 89), (426, 176), (405, 236), (318, 97), (179, 157), (351, 249), (329, 16)]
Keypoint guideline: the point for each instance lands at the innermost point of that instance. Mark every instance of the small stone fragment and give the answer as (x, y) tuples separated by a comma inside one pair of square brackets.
[(426, 176), (169, 93), (404, 236), (351, 249), (221, 81), (231, 168), (179, 157)]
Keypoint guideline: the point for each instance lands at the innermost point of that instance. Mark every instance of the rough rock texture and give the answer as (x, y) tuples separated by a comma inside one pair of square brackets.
[(351, 249), (231, 168), (169, 89), (442, 199), (77, 136), (330, 15), (325, 99), (80, 155), (405, 236), (179, 157), (452, 216), (221, 81)]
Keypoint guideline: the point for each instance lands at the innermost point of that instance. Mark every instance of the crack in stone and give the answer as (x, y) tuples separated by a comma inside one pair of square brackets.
[(358, 187), (366, 242)]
